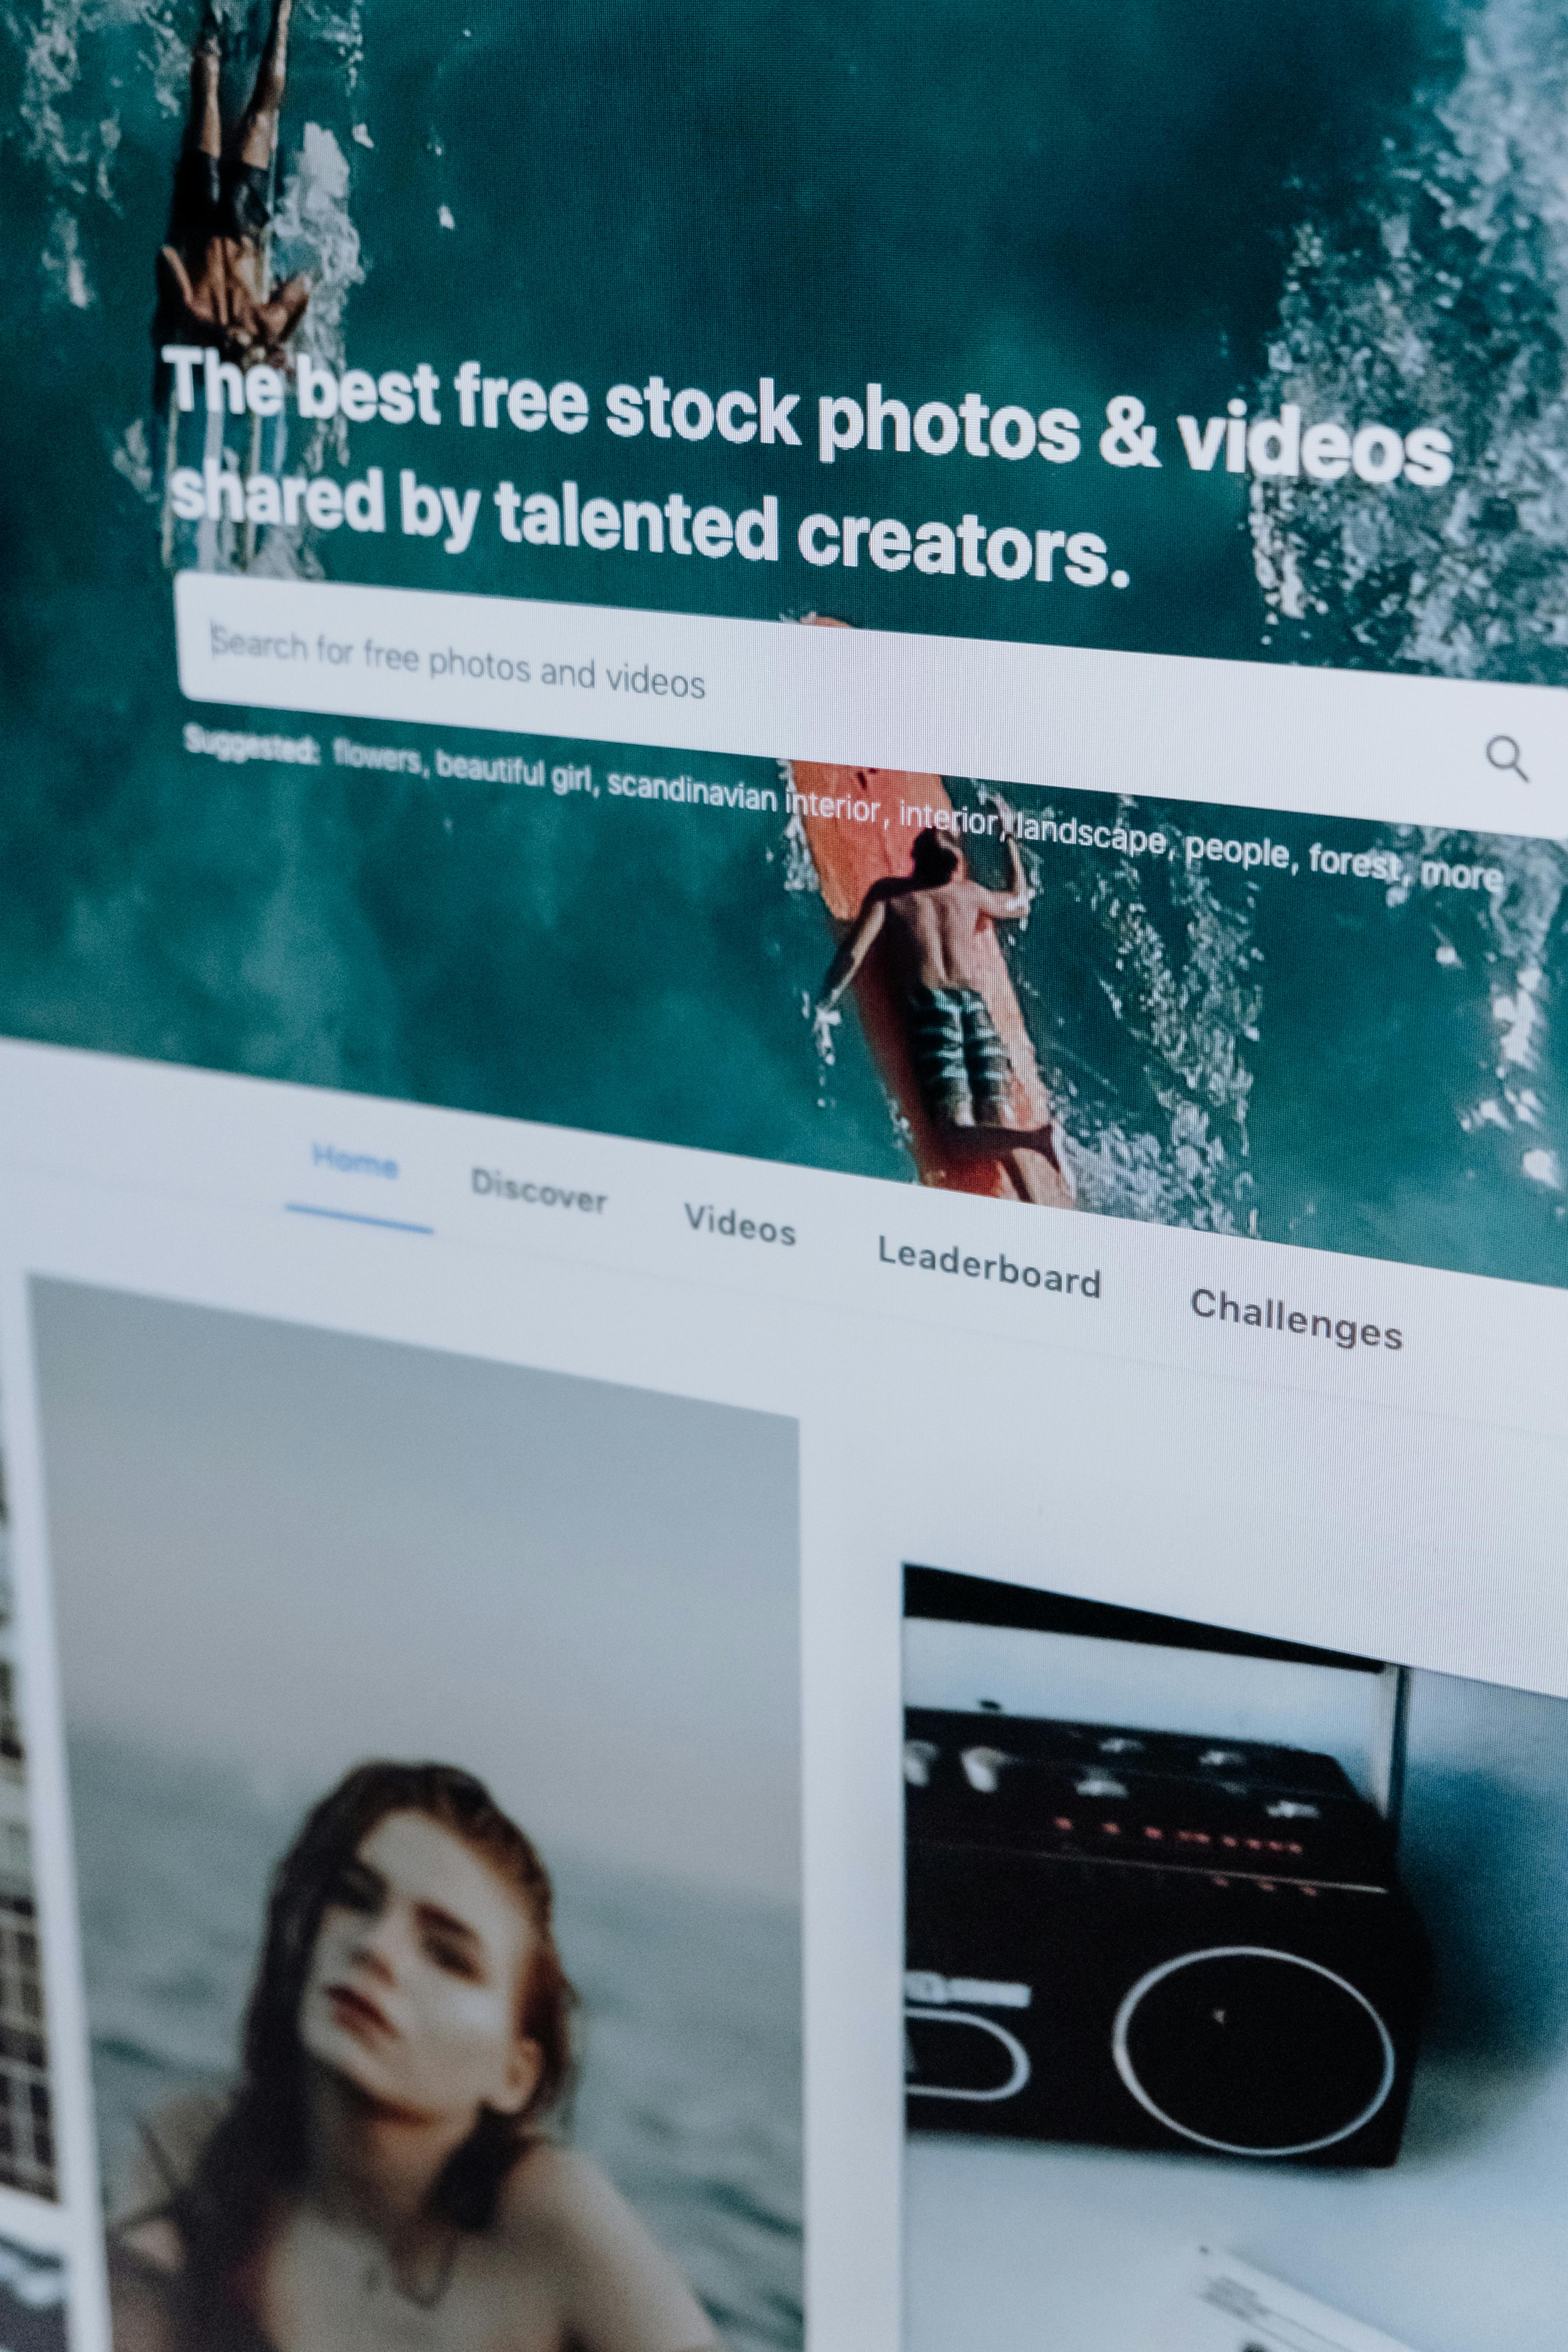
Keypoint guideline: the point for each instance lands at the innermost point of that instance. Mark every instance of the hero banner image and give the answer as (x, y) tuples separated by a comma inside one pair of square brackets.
[(514, 303)]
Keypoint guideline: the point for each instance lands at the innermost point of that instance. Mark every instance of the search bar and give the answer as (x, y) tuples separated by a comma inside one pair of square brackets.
[(1247, 734)]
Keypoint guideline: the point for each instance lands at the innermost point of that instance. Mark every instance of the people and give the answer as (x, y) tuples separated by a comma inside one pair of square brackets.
[(936, 928), (384, 2174), (212, 272)]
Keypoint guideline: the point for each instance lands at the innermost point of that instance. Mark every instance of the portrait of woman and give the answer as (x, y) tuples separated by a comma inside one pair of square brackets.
[(390, 2169)]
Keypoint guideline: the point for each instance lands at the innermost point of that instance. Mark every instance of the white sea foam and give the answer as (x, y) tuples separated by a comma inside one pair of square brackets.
[(70, 56), (1523, 922), (133, 460), (1189, 1016), (824, 1024), (1436, 295), (63, 264), (1524, 1085), (314, 230), (799, 866), (58, 133), (344, 30), (68, 117)]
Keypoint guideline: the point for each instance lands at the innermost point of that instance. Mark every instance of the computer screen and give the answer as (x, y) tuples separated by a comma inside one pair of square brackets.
[(784, 1176)]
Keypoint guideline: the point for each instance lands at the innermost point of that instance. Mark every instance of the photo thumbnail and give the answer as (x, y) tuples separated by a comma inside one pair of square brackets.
[(1237, 1983), (436, 1812)]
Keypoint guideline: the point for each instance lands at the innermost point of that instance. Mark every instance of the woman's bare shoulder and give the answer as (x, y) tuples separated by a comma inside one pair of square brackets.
[(619, 2290), (555, 2188)]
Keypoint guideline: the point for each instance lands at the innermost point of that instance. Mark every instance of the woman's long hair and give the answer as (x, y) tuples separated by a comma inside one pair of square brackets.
[(258, 2148)]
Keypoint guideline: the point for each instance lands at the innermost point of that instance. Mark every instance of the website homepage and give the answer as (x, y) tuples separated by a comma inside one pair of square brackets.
[(784, 1187)]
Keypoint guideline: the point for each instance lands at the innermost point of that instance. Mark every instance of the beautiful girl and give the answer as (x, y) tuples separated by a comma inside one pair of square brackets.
[(380, 2181)]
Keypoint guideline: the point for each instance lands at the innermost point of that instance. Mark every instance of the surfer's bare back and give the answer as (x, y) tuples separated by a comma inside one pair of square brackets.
[(212, 273), (934, 925)]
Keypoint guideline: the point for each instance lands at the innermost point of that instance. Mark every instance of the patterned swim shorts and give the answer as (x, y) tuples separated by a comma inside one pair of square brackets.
[(961, 1061)]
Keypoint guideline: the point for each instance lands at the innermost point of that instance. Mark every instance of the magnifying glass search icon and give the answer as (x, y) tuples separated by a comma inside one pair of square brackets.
[(1503, 751)]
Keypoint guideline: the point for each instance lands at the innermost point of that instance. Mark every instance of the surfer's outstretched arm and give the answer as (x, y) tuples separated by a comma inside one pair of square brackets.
[(259, 125), (1011, 903), (852, 954)]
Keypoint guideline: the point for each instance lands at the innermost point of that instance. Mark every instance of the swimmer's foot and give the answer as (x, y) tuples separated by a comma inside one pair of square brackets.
[(995, 1142)]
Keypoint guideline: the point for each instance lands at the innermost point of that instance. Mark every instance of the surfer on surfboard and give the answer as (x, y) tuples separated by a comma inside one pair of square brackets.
[(212, 272), (934, 925)]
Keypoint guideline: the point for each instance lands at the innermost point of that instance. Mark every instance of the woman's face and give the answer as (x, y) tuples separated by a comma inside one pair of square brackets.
[(414, 1986)]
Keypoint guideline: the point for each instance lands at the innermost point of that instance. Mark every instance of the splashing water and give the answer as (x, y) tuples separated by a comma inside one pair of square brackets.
[(133, 461), (1153, 1087), (68, 116), (344, 30), (1522, 1094), (64, 268), (1438, 295), (799, 866), (1435, 295), (70, 55), (75, 144), (312, 231)]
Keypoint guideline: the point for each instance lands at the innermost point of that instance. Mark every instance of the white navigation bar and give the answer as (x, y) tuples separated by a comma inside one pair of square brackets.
[(1449, 753), (1264, 1315), (1346, 1451)]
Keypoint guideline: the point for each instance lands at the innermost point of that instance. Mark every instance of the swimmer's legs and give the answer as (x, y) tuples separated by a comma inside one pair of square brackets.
[(203, 131), (258, 124)]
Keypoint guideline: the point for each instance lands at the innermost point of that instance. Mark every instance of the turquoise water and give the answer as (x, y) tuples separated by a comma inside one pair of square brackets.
[(1055, 207), (1058, 205)]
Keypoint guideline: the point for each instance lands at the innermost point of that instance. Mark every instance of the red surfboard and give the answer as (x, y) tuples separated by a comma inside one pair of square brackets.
[(852, 847)]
